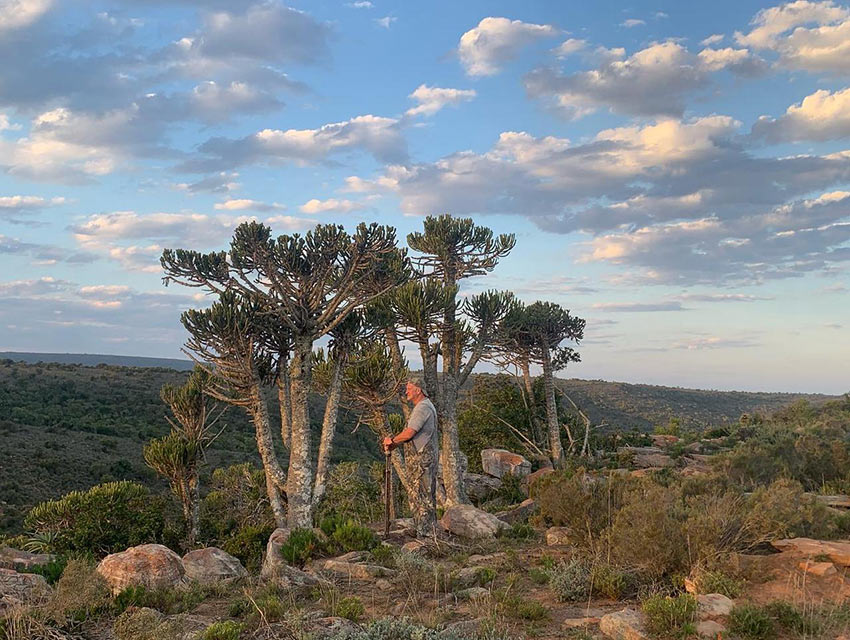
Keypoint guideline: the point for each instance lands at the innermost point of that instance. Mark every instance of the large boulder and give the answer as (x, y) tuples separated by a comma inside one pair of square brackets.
[(500, 462), (479, 486), (468, 522), (211, 565), (21, 560), (21, 588), (150, 565), (837, 551), (354, 570), (519, 513), (646, 457), (275, 568), (627, 624)]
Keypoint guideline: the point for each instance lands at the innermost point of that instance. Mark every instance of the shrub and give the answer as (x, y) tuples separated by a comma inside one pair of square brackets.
[(519, 531), (227, 630), (348, 535), (351, 608), (790, 618), (237, 505), (137, 624), (751, 622), (511, 490), (107, 518), (670, 617), (512, 605), (351, 494), (384, 555), (609, 581), (784, 510), (51, 571), (718, 582), (301, 546), (81, 593), (248, 543), (570, 580)]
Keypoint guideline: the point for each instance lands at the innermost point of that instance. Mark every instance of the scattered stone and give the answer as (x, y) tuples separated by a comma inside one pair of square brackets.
[(479, 486), (353, 556), (473, 593), (357, 571), (820, 569), (383, 584), (273, 560), (713, 605), (471, 577), (519, 513), (663, 440), (838, 552), (500, 462), (466, 521), (21, 560), (152, 566), (212, 565), (461, 629), (489, 558), (420, 547), (330, 627), (627, 624), (21, 588), (577, 623), (646, 457), (710, 629), (557, 536)]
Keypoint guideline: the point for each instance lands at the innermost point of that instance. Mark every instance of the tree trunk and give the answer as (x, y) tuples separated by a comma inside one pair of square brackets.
[(391, 338), (275, 477), (557, 451), (379, 419), (284, 398), (530, 404), (451, 458), (299, 487), (328, 430), (193, 519)]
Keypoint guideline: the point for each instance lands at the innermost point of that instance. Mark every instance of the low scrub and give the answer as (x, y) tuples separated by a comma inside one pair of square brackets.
[(670, 616), (751, 622)]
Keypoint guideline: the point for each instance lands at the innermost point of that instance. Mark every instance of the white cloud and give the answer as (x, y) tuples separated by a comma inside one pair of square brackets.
[(740, 61), (569, 46), (432, 99), (16, 14), (639, 307), (243, 204), (361, 4), (484, 49), (18, 203), (331, 205), (633, 22), (5, 125), (385, 22), (821, 116), (812, 36), (716, 38)]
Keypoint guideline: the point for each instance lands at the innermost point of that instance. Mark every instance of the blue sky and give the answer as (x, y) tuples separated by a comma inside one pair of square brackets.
[(676, 173)]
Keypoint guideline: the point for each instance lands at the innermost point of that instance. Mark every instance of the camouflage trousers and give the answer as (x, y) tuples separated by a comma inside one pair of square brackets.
[(422, 467)]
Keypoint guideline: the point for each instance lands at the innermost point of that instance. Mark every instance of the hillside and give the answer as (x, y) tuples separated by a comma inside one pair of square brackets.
[(94, 359), (69, 426)]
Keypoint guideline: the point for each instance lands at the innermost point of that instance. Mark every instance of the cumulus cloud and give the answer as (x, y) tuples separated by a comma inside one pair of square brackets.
[(331, 205), (716, 38), (821, 116), (484, 49), (432, 99), (653, 81), (812, 36), (382, 137), (569, 47), (43, 253), (243, 204), (15, 14)]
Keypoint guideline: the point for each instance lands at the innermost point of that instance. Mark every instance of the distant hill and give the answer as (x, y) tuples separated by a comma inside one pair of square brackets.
[(94, 359)]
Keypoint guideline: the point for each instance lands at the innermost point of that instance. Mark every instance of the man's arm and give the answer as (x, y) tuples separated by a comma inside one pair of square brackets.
[(415, 422)]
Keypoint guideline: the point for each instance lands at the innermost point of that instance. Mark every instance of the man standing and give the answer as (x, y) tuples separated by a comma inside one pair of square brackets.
[(421, 457)]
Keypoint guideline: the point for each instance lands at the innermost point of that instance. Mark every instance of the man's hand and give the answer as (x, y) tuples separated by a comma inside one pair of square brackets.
[(388, 444)]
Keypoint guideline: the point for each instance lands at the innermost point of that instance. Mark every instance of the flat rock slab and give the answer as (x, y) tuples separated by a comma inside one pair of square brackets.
[(358, 571), (18, 560), (211, 565), (21, 588), (152, 566), (819, 569), (627, 624), (714, 605), (466, 521), (501, 462), (838, 552)]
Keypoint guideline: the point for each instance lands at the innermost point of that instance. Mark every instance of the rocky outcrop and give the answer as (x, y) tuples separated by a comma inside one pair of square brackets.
[(471, 577), (21, 588), (627, 624), (663, 440), (479, 486), (519, 513), (646, 457), (468, 522), (273, 560), (211, 565), (21, 560), (150, 565), (820, 569), (500, 462), (838, 552), (528, 481), (713, 606)]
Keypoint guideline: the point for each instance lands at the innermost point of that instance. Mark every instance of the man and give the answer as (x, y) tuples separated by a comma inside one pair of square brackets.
[(421, 457)]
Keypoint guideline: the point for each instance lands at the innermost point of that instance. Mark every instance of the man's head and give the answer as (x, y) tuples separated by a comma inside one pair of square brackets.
[(414, 392)]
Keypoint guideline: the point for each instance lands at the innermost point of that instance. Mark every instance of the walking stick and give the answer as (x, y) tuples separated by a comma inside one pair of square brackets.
[(388, 489)]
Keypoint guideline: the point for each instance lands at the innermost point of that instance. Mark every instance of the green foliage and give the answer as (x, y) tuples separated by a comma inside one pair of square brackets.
[(105, 519), (51, 571), (248, 543), (301, 546), (351, 494), (672, 428), (790, 618), (519, 607), (350, 607), (751, 622), (719, 582), (347, 535), (227, 630), (519, 531), (166, 600), (569, 580), (81, 593), (670, 617)]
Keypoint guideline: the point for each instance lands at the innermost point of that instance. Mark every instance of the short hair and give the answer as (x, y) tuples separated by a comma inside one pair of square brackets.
[(416, 381)]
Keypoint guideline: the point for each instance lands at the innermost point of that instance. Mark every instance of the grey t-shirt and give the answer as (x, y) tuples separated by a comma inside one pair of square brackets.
[(423, 420)]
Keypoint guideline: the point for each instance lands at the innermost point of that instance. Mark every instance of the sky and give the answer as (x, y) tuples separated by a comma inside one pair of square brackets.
[(677, 174)]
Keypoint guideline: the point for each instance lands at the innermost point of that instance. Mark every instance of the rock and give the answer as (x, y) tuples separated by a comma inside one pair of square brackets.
[(627, 624), (293, 578), (519, 513), (329, 627), (644, 473), (663, 440), (358, 571), (471, 577), (710, 629), (479, 486), (21, 588), (18, 560), (713, 605), (842, 502), (500, 462), (577, 623), (419, 547), (212, 565), (694, 447), (820, 569), (489, 558), (645, 457), (353, 556), (273, 560), (383, 585), (463, 628), (182, 626), (838, 552), (152, 566), (466, 521), (473, 593), (557, 536), (529, 480)]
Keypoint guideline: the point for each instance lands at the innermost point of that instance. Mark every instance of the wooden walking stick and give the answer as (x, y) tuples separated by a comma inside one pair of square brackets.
[(388, 492)]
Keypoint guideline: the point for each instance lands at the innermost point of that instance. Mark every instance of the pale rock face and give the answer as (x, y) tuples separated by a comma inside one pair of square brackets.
[(13, 559), (648, 457), (627, 624), (356, 571), (479, 486), (211, 565), (466, 521), (21, 588), (275, 568), (500, 462), (663, 440), (711, 629), (469, 577), (519, 513), (713, 605), (150, 565), (838, 552)]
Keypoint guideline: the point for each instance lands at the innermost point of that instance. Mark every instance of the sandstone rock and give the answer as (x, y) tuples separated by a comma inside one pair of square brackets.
[(842, 502), (212, 565), (19, 560), (519, 513), (149, 565), (663, 440), (838, 552), (468, 522), (473, 593), (489, 558), (353, 556), (479, 486), (500, 462), (645, 457), (577, 623), (710, 629), (357, 571), (420, 547), (529, 481), (471, 577), (21, 588), (273, 560), (644, 473), (627, 624), (713, 605), (383, 584), (694, 447), (820, 569), (557, 536), (183, 626)]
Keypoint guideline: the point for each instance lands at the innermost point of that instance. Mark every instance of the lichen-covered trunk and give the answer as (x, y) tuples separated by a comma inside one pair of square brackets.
[(299, 486), (191, 508), (452, 460), (275, 476), (284, 399), (391, 339), (328, 430), (554, 429), (529, 398)]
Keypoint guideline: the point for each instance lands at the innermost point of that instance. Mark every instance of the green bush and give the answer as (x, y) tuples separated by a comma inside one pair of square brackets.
[(137, 624), (519, 531), (81, 593), (248, 543), (351, 608), (227, 630), (301, 546), (790, 618), (351, 494), (570, 580), (670, 617), (105, 519), (751, 622), (718, 582), (51, 571), (347, 535)]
